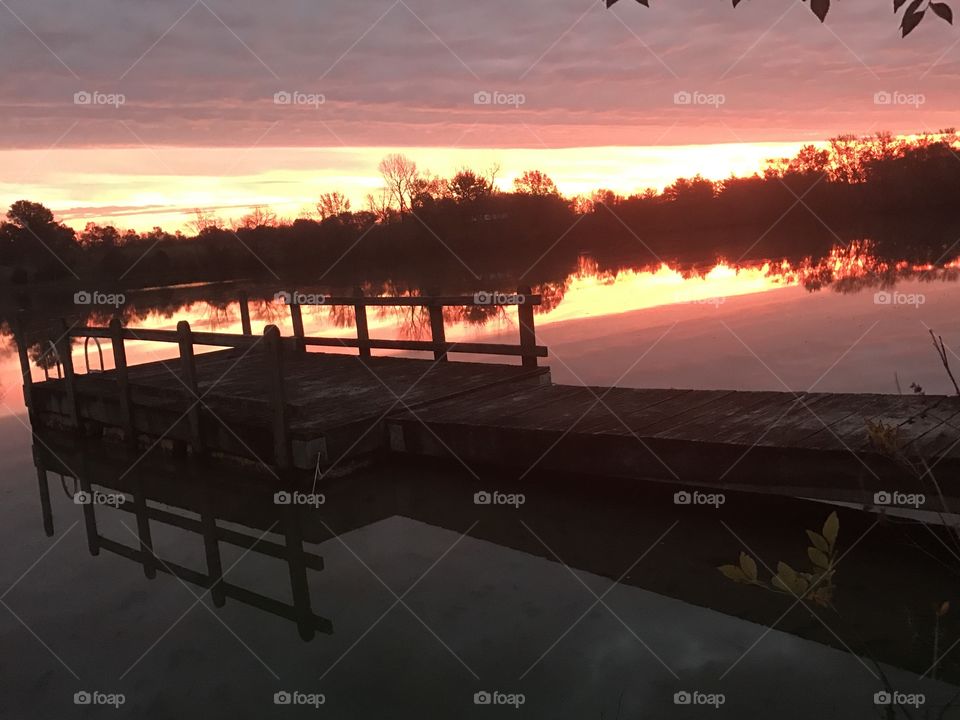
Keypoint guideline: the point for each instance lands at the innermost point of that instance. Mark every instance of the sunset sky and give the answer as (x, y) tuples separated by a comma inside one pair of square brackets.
[(589, 95)]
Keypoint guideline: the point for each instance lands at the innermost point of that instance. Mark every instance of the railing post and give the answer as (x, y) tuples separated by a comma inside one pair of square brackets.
[(274, 350), (123, 380), (297, 317), (20, 338), (363, 330), (245, 313), (437, 333), (66, 362), (528, 333), (189, 368)]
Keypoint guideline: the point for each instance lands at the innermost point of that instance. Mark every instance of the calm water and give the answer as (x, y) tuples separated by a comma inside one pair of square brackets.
[(497, 599)]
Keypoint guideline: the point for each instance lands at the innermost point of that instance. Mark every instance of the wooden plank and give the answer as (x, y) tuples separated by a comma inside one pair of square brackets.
[(472, 348), (632, 411)]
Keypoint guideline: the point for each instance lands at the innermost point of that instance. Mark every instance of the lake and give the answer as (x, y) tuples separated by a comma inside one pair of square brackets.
[(574, 603)]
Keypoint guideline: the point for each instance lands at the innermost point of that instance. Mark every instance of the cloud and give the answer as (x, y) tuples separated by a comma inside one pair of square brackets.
[(405, 73)]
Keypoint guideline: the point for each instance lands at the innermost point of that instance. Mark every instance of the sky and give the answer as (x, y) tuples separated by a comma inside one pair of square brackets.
[(135, 113)]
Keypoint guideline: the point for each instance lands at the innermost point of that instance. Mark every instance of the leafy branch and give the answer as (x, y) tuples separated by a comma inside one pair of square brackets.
[(912, 16), (815, 585)]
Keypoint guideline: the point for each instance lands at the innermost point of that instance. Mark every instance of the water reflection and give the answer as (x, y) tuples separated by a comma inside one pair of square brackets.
[(601, 289), (587, 602)]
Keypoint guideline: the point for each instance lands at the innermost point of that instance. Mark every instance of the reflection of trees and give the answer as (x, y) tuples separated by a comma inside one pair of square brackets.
[(847, 268)]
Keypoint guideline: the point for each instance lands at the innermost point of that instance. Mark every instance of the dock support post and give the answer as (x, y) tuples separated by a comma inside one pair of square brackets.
[(528, 334), (20, 338), (437, 333), (363, 330), (296, 315), (189, 368), (274, 352), (64, 350), (245, 313), (123, 381)]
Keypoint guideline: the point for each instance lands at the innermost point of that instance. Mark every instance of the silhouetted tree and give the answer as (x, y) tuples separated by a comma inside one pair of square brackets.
[(399, 175), (332, 204), (534, 182)]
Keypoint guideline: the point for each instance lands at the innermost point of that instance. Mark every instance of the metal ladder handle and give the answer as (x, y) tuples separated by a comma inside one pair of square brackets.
[(86, 356)]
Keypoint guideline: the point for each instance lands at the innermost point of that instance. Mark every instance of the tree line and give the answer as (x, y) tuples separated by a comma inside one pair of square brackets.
[(468, 226)]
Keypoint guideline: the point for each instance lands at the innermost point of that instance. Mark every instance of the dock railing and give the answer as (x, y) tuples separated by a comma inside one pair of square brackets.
[(523, 299), (187, 339)]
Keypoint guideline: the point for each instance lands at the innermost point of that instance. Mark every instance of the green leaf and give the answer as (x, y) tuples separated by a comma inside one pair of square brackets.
[(749, 566), (818, 558), (830, 529), (818, 541), (897, 4), (732, 572), (787, 577)]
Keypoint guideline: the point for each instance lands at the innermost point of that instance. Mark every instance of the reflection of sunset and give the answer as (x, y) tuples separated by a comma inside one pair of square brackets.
[(591, 293)]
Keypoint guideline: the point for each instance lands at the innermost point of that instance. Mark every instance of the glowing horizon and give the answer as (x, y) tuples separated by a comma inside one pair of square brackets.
[(101, 185)]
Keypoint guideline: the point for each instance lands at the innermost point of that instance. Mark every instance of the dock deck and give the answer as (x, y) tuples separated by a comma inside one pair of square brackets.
[(776, 442), (271, 400), (335, 403)]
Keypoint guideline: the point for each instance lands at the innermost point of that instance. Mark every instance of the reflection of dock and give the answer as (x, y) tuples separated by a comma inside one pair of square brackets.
[(196, 510), (266, 398), (631, 533)]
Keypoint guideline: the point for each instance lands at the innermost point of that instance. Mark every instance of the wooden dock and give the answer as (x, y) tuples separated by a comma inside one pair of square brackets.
[(268, 399)]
